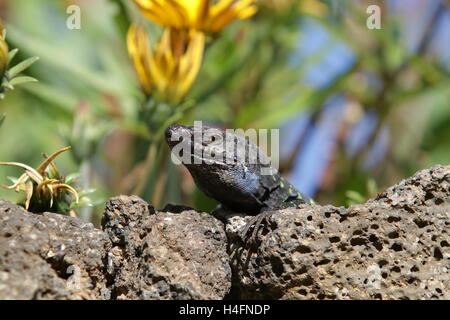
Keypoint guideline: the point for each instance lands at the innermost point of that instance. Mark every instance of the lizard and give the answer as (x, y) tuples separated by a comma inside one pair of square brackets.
[(234, 171)]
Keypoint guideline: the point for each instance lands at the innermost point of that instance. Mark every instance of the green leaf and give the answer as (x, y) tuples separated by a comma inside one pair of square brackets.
[(354, 197), (12, 179), (2, 119), (86, 202), (64, 100), (372, 187), (85, 192), (71, 178), (12, 54), (6, 84), (22, 80), (64, 60), (14, 71), (81, 204)]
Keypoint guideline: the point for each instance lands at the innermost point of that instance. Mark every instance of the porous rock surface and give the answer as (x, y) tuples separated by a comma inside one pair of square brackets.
[(165, 255), (393, 247), (141, 254), (50, 256)]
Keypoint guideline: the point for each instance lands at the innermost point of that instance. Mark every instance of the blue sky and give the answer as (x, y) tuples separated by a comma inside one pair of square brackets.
[(311, 162)]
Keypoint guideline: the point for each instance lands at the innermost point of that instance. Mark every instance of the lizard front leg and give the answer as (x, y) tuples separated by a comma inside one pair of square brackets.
[(250, 232)]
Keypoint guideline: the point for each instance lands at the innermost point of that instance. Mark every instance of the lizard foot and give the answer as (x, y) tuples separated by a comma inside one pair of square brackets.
[(249, 234)]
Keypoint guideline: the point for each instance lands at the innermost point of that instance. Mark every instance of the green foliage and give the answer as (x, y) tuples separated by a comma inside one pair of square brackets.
[(355, 197), (9, 76), (88, 97)]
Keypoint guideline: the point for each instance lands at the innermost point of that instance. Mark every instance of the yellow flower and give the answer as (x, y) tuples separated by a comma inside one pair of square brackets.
[(205, 15), (42, 188), (3, 52), (171, 69)]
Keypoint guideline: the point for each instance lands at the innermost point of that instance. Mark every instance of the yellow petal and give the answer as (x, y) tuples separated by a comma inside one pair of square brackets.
[(182, 14), (221, 6), (4, 50), (29, 189), (190, 64), (204, 15), (53, 171), (163, 64), (3, 56), (248, 12), (69, 189), (32, 173), (226, 11), (140, 52), (152, 12), (22, 179), (203, 11), (222, 20), (49, 160), (44, 183), (167, 13)]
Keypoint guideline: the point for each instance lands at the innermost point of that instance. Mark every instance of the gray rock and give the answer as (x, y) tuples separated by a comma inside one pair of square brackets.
[(393, 247), (50, 256), (162, 255)]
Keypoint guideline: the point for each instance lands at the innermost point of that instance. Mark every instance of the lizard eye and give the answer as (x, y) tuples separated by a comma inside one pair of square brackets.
[(212, 139)]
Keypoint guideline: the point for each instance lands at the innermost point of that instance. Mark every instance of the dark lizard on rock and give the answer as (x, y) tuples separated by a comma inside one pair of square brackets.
[(233, 171)]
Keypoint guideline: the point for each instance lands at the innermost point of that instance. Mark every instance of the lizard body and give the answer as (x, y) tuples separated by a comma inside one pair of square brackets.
[(239, 183)]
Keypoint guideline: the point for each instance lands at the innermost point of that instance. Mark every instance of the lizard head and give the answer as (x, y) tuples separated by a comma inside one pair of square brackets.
[(213, 147), (197, 145)]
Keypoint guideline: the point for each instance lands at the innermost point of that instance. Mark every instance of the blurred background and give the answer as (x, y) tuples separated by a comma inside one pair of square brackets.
[(358, 109)]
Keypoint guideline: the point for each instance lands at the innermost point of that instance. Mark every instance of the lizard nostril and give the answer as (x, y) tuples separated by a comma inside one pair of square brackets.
[(168, 133)]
